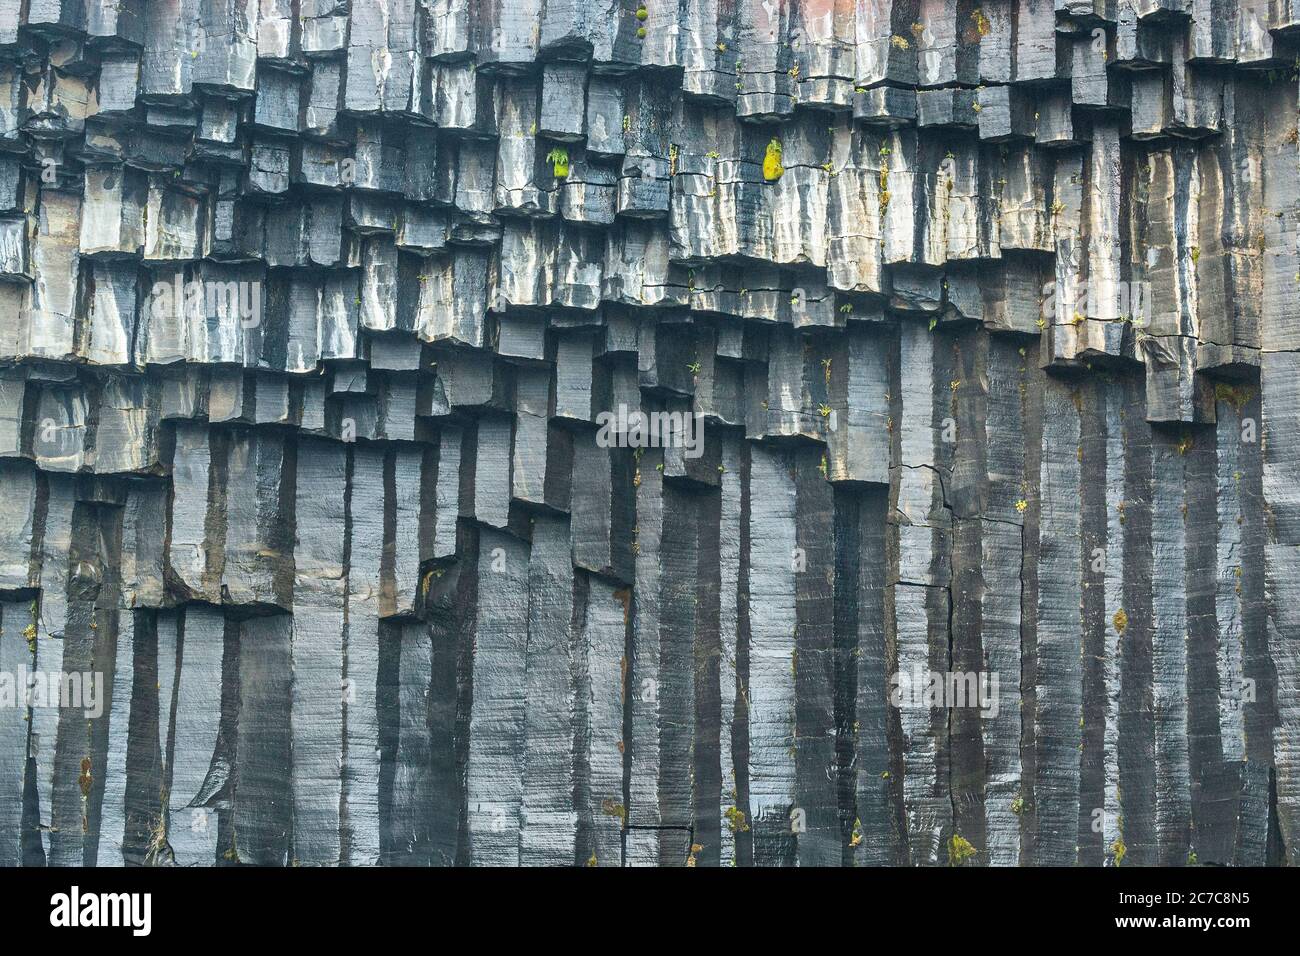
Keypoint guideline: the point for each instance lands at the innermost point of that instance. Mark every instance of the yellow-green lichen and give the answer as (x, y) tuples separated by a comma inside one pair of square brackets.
[(959, 850), (772, 168), (736, 821), (559, 160)]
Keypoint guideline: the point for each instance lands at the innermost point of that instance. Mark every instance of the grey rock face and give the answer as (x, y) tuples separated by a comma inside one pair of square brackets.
[(330, 533)]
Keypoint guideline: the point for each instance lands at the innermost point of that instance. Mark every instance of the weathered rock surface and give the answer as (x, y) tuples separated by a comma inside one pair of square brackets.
[(310, 321)]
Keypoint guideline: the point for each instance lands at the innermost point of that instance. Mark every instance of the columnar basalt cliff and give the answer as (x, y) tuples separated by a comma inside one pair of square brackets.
[(625, 432)]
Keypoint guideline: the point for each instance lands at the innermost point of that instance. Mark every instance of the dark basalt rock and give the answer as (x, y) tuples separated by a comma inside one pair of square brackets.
[(974, 332)]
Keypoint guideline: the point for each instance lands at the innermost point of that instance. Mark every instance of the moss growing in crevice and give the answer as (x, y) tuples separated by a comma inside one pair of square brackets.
[(559, 160), (959, 850), (1118, 849)]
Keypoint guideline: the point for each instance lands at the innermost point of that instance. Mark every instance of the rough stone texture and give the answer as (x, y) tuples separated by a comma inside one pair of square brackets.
[(992, 313)]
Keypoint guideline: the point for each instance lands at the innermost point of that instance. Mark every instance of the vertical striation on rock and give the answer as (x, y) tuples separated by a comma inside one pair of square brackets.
[(629, 432)]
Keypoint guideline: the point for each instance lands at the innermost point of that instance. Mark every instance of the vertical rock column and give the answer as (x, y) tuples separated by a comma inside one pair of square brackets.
[(319, 692), (921, 584), (548, 817), (497, 729), (189, 724), (773, 792), (1059, 711)]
